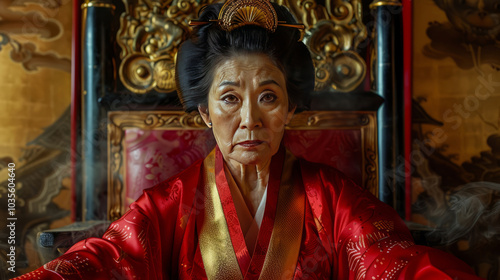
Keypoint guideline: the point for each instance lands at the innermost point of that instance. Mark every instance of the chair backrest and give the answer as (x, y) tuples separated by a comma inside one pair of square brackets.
[(147, 147), (133, 69)]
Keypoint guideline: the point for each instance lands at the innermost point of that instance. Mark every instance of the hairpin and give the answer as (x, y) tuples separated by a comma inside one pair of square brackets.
[(236, 13)]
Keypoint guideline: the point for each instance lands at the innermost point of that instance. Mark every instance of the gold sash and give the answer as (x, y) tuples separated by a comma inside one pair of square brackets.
[(217, 252)]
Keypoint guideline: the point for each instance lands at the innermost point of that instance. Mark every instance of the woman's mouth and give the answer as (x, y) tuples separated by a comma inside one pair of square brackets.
[(250, 143)]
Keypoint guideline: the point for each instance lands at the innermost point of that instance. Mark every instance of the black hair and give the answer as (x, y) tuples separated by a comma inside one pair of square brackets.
[(209, 45)]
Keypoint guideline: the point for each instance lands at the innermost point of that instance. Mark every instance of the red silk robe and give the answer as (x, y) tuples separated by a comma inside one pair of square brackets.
[(317, 225)]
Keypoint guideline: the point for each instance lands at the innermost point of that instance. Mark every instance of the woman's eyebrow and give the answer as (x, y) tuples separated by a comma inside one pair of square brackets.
[(267, 82), (229, 83)]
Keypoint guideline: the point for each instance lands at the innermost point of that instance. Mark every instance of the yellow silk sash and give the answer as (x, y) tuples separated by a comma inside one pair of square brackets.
[(284, 247), (217, 252)]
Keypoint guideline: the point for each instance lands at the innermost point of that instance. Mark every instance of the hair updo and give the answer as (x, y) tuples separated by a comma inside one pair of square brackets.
[(209, 45)]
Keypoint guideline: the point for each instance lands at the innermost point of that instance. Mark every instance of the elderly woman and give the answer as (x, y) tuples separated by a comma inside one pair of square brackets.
[(251, 210)]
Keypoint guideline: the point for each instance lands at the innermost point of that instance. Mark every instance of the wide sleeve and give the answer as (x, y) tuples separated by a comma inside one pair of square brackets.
[(131, 248), (369, 238)]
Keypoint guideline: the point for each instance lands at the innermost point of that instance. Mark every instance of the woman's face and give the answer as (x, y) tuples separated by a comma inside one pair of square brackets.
[(248, 108)]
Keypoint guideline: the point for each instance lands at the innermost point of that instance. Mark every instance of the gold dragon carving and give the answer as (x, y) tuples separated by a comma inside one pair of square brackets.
[(333, 33), (152, 30), (149, 36)]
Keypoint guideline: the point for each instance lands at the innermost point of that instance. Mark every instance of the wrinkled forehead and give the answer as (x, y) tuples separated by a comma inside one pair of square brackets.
[(247, 68)]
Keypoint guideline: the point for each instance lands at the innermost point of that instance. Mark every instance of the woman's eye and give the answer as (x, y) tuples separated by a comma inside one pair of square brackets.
[(268, 97), (230, 98)]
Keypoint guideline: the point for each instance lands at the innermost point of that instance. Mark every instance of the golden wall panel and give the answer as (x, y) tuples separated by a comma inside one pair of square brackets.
[(449, 92), (32, 100), (35, 93), (456, 127)]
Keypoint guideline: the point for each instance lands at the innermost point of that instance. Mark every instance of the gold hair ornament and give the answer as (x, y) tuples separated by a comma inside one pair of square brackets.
[(237, 13)]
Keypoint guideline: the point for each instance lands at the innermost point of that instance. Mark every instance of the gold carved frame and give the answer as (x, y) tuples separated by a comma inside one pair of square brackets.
[(120, 121)]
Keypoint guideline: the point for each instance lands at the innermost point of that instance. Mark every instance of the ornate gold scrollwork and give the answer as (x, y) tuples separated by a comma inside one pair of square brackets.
[(149, 36), (333, 33), (151, 31)]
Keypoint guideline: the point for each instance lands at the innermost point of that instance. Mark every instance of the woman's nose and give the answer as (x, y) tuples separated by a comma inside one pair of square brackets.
[(250, 116)]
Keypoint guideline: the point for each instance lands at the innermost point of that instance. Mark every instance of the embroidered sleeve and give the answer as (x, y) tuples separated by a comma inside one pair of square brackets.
[(134, 247), (125, 251), (372, 241)]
